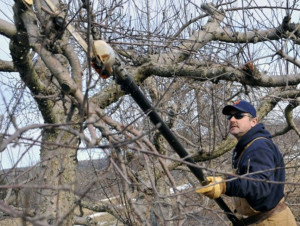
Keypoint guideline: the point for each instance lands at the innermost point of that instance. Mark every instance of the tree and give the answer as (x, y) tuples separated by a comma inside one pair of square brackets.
[(189, 60)]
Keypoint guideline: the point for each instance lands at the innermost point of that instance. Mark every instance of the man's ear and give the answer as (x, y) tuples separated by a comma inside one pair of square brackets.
[(254, 121)]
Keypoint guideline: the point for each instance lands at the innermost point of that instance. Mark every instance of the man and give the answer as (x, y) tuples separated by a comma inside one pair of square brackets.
[(259, 193)]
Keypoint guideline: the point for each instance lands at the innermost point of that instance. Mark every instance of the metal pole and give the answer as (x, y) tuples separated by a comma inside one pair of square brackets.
[(129, 86)]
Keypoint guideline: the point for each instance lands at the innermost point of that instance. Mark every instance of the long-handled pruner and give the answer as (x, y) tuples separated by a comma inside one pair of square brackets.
[(129, 86)]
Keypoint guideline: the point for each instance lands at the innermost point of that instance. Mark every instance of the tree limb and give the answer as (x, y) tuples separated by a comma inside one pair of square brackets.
[(7, 29), (289, 115), (7, 66)]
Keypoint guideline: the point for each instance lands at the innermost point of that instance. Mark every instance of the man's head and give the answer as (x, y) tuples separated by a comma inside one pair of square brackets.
[(241, 116)]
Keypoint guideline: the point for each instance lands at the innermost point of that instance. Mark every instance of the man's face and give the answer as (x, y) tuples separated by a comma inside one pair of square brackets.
[(240, 123)]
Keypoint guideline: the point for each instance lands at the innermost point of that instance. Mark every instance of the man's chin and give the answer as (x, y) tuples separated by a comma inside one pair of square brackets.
[(234, 132)]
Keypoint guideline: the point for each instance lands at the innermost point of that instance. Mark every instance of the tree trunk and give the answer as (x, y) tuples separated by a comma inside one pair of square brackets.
[(58, 169)]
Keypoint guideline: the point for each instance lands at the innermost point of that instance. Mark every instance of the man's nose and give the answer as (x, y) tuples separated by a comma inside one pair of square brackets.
[(232, 119)]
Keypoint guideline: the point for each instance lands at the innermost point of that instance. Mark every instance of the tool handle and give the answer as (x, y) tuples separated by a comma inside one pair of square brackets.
[(129, 86)]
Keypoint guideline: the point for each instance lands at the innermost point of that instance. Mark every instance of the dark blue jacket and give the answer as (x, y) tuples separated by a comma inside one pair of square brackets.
[(261, 155)]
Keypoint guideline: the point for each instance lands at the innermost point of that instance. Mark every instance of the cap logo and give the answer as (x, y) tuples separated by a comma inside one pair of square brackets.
[(237, 102)]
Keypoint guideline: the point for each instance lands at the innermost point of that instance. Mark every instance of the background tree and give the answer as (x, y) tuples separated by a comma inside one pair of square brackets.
[(190, 59)]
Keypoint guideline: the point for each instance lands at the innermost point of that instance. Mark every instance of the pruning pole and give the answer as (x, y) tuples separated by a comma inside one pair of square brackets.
[(129, 86)]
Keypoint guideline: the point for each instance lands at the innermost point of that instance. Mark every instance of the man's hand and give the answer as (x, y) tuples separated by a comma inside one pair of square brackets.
[(214, 189)]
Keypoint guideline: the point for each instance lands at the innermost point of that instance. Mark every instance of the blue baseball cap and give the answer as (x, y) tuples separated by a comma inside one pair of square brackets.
[(242, 106)]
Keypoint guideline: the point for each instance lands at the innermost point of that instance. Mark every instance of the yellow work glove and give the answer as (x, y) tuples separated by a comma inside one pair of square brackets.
[(214, 189)]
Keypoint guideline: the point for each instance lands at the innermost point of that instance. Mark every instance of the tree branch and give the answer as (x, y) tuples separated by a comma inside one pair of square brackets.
[(289, 115), (7, 29), (7, 66)]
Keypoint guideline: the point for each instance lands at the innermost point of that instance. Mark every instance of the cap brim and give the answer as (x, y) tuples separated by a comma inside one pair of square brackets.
[(227, 109)]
